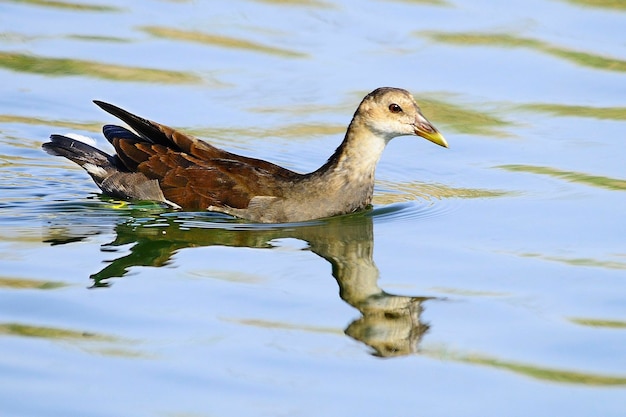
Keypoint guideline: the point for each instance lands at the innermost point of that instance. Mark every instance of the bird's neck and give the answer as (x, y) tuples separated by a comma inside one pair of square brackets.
[(356, 158), (347, 178)]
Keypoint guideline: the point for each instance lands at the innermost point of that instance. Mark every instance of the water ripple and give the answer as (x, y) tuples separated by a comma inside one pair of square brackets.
[(410, 211)]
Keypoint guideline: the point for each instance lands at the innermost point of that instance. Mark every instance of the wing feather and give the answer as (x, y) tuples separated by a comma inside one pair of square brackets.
[(191, 172)]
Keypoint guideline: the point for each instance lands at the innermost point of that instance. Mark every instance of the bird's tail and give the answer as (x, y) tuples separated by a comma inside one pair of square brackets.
[(91, 159)]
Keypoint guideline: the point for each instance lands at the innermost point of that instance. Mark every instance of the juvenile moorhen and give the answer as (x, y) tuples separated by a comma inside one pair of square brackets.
[(156, 162)]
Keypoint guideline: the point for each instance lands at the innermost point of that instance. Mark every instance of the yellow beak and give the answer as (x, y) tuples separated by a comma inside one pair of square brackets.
[(426, 130)]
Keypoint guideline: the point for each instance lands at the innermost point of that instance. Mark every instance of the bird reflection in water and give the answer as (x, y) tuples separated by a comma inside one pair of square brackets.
[(390, 324)]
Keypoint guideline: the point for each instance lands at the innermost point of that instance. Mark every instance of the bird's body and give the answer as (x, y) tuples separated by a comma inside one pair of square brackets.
[(162, 164)]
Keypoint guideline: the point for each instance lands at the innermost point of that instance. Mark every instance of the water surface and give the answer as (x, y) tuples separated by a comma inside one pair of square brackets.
[(487, 280)]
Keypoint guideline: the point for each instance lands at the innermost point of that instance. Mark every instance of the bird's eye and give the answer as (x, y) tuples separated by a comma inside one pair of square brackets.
[(394, 108)]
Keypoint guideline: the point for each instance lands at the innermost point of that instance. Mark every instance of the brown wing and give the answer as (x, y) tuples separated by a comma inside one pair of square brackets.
[(157, 133), (192, 173)]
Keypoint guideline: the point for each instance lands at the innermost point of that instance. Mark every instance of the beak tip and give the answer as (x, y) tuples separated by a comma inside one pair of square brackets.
[(435, 137), (429, 132)]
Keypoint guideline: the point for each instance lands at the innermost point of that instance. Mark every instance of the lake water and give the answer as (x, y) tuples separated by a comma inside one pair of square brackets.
[(488, 280)]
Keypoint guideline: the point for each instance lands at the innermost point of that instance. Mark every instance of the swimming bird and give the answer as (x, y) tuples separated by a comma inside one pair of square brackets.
[(156, 162)]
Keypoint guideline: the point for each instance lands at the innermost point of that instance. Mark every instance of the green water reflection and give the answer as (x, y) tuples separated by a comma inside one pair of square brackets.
[(505, 40), (607, 4), (219, 40), (67, 5), (11, 118), (285, 326), (534, 371), (426, 2), (302, 131), (67, 67), (29, 284), (18, 329), (608, 324), (603, 113), (92, 342), (394, 192), (463, 119), (98, 38), (309, 3), (586, 262), (608, 183)]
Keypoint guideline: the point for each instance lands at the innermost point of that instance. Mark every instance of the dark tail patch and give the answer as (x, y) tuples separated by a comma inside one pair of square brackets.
[(77, 151), (112, 132)]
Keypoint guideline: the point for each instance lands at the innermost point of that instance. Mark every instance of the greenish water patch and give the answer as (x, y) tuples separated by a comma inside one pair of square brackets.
[(219, 40), (394, 192), (293, 131), (29, 284), (306, 109), (425, 2), (308, 3), (585, 262), (547, 374), (606, 4), (20, 38), (68, 67), (533, 371), (96, 38), (608, 183), (286, 326), (462, 119), (96, 343), (511, 41), (10, 118), (469, 293), (66, 5), (228, 276), (608, 324), (604, 113), (25, 330)]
